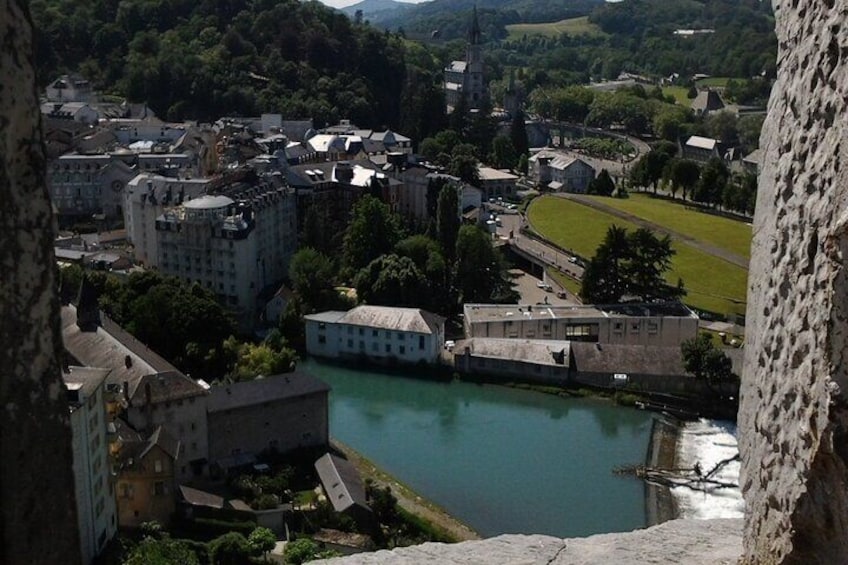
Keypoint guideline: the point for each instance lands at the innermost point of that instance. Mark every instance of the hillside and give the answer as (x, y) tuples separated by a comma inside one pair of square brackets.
[(201, 59), (375, 11), (450, 17)]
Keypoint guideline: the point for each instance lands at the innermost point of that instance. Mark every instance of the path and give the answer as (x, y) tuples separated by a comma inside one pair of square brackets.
[(406, 497), (707, 248)]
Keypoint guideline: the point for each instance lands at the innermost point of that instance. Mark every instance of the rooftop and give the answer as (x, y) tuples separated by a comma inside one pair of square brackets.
[(341, 482), (537, 351), (476, 313), (638, 359), (392, 318), (490, 174), (702, 142), (263, 390), (84, 379)]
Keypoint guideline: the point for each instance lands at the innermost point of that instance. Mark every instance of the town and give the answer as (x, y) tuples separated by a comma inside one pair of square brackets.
[(200, 261)]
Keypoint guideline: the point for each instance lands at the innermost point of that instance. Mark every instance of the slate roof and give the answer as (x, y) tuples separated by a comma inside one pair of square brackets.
[(341, 482), (86, 379), (536, 351), (197, 497), (707, 101), (392, 318), (109, 346), (260, 391), (637, 359), (165, 387), (135, 451)]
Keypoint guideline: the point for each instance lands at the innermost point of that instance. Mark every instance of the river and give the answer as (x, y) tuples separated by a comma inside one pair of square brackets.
[(499, 459)]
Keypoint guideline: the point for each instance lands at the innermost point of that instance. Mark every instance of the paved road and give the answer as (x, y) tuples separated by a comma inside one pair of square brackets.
[(707, 248), (548, 254)]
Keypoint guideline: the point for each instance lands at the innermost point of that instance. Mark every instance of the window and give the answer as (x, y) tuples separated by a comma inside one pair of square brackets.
[(374, 333), (322, 339), (350, 343), (400, 336), (125, 490), (618, 326), (402, 349), (361, 331), (653, 327), (421, 342), (157, 466), (388, 348), (634, 327), (159, 488)]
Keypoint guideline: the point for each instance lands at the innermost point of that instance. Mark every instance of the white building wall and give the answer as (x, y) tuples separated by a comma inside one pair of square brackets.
[(345, 340), (94, 490)]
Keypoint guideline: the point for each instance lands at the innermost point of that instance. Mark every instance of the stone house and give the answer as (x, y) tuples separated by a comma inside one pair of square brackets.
[(146, 483), (282, 412)]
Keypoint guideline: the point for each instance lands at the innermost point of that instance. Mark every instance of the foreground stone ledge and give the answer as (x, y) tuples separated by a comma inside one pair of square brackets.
[(690, 542)]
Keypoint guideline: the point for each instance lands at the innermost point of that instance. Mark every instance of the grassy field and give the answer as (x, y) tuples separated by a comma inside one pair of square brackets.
[(572, 26), (717, 81), (565, 281), (731, 235), (679, 93), (712, 284)]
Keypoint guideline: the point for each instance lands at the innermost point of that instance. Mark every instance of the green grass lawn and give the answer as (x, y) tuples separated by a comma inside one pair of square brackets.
[(732, 235), (565, 281), (572, 26), (717, 81), (679, 93), (712, 284)]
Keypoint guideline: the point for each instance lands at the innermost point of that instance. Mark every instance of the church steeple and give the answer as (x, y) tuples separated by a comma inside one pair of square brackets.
[(474, 28)]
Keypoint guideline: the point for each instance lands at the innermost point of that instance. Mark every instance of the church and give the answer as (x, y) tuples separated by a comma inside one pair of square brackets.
[(465, 78)]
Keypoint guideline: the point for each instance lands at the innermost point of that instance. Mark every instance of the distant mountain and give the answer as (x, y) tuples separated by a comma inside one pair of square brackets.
[(377, 10), (450, 17)]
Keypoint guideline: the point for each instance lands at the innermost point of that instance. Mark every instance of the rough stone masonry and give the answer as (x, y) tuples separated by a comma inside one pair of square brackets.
[(793, 418)]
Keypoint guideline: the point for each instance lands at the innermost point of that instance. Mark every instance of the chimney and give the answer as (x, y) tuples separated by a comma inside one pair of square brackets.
[(88, 311), (343, 171), (127, 361)]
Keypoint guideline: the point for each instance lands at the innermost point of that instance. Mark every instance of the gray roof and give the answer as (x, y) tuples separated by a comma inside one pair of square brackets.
[(341, 482), (260, 391), (536, 351), (330, 316), (197, 497), (636, 359), (393, 318), (86, 379), (707, 101)]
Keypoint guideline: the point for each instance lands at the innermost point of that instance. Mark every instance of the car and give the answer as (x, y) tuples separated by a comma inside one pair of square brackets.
[(562, 294), (572, 260), (450, 344), (541, 284), (548, 288)]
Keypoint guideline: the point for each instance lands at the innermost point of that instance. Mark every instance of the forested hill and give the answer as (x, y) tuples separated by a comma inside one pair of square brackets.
[(450, 17), (200, 59)]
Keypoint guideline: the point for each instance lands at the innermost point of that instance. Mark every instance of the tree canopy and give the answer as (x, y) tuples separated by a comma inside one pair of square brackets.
[(630, 265)]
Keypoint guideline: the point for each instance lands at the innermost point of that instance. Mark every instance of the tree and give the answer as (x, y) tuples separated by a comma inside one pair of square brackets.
[(373, 231), (503, 153), (682, 173), (648, 170), (518, 135), (311, 274), (301, 550), (391, 280), (479, 271), (523, 164), (447, 219), (705, 361), (721, 126), (261, 541), (630, 265), (161, 551), (38, 512), (710, 186), (604, 280), (229, 549), (253, 360), (602, 184)]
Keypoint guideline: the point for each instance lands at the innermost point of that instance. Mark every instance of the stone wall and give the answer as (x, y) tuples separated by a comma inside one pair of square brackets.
[(793, 417), (693, 542)]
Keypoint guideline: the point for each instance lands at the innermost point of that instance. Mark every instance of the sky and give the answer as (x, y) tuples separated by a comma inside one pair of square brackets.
[(343, 3)]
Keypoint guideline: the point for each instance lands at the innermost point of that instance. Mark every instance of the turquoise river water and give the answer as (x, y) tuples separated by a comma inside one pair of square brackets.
[(499, 459)]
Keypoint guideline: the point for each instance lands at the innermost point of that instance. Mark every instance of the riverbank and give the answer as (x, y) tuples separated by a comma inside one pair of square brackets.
[(408, 499), (660, 503)]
